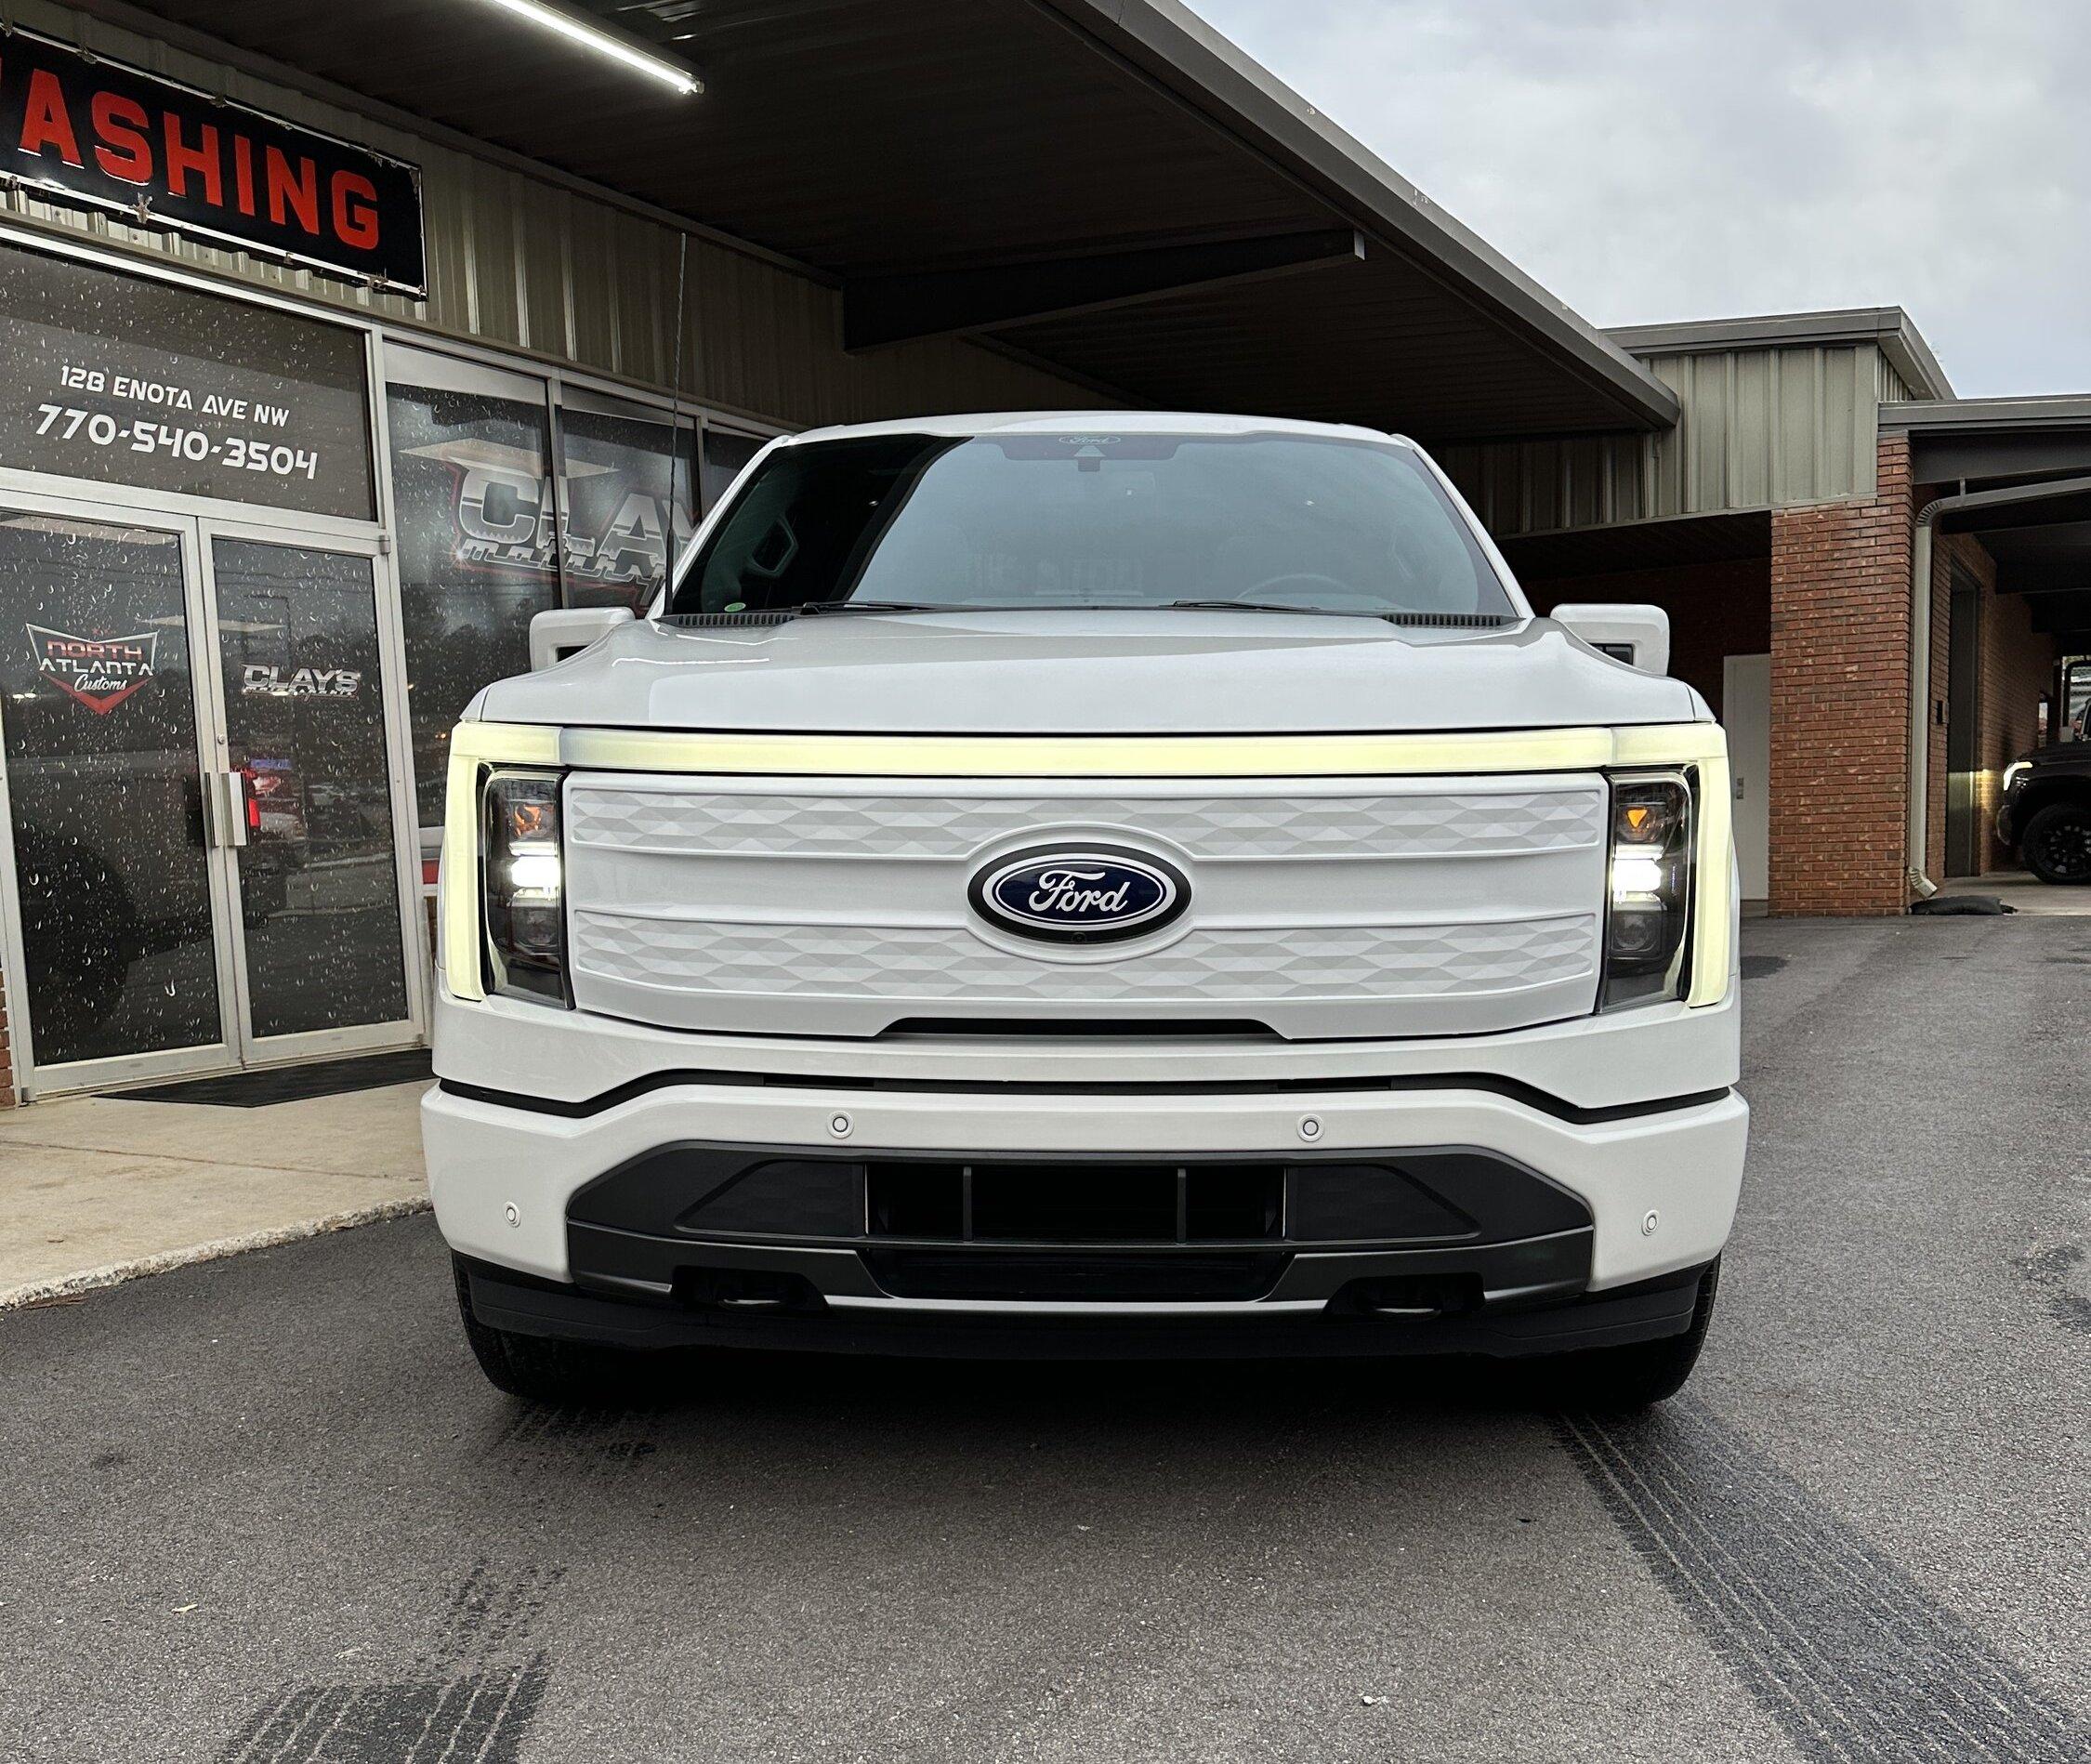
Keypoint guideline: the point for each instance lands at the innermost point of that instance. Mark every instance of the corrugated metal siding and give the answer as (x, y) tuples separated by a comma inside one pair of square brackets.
[(1894, 388), (1760, 429), (523, 263)]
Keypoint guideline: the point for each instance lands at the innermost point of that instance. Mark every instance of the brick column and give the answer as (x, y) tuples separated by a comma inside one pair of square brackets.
[(1840, 674)]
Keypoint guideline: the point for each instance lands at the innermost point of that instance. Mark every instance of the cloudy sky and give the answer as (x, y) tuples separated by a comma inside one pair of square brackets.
[(1679, 159)]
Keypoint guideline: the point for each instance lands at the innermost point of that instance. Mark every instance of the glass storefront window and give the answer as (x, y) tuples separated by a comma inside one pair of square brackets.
[(512, 493), (469, 491), (128, 380), (629, 511), (487, 541)]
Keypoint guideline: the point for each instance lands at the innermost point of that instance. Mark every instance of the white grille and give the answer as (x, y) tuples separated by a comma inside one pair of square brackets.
[(1560, 817), (917, 966), (1320, 907)]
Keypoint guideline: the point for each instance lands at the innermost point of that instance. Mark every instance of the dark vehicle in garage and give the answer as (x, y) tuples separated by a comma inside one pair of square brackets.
[(2045, 812)]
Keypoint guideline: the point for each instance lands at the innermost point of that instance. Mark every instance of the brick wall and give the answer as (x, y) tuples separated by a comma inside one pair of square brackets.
[(1840, 663), (1717, 610)]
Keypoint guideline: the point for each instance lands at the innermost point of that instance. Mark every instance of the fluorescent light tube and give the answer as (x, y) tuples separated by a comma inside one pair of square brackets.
[(603, 41)]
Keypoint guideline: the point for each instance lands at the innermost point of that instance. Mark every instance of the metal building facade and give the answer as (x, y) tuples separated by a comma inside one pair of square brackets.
[(1764, 423)]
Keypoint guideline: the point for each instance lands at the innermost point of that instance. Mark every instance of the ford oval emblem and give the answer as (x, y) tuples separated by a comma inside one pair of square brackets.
[(1078, 893)]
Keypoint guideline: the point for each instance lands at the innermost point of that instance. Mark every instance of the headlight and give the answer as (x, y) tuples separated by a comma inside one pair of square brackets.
[(522, 884), (2013, 772), (1648, 912)]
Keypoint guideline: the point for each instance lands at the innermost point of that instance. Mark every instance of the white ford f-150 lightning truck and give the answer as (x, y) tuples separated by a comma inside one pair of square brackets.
[(1098, 883)]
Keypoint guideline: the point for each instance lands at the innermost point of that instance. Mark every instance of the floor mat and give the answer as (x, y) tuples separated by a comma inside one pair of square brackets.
[(290, 1084)]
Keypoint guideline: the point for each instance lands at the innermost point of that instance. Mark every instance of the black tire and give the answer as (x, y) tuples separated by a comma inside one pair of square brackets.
[(1640, 1374), (540, 1369), (2056, 843)]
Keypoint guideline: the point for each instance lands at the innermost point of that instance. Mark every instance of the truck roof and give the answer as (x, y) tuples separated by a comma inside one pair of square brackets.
[(1114, 422)]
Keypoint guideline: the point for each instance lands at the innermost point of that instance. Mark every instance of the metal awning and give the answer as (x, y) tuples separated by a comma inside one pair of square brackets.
[(2042, 551), (2040, 539), (1106, 185), (1993, 439)]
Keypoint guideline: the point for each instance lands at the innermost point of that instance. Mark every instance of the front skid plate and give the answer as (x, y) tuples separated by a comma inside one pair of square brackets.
[(1646, 1311)]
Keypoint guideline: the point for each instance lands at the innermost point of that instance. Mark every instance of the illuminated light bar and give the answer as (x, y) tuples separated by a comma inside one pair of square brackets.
[(1702, 746), (615, 45)]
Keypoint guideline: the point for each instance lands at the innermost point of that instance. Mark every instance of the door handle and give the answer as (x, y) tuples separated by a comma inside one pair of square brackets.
[(225, 797)]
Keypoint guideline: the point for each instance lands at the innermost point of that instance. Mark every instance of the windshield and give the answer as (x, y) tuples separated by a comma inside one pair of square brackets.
[(1311, 524)]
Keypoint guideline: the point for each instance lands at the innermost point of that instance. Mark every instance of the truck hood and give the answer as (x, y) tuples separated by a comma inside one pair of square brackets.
[(2058, 753), (1085, 673)]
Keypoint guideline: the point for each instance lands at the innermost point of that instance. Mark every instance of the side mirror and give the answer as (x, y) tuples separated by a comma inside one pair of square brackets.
[(567, 630), (1637, 635)]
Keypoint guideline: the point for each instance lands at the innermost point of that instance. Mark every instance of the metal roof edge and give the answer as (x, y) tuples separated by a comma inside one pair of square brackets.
[(2033, 411), (1889, 328), (1168, 43)]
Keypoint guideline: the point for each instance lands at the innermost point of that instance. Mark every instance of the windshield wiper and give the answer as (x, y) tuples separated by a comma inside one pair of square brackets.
[(812, 607), (1465, 621), (1264, 606)]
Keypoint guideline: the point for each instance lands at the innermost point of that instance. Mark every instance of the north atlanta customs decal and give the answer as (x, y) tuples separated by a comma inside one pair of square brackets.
[(102, 672)]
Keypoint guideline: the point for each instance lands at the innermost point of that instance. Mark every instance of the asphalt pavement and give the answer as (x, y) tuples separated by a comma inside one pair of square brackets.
[(267, 1508)]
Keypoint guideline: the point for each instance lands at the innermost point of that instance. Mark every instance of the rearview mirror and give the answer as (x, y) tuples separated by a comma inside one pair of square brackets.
[(567, 630), (1629, 632)]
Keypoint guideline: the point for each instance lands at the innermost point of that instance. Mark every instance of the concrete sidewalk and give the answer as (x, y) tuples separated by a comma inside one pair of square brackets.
[(94, 1190)]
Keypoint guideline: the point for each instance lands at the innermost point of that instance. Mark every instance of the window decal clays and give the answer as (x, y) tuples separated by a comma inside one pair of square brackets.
[(270, 679)]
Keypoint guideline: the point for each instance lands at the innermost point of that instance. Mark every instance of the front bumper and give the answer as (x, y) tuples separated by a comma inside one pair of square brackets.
[(1644, 1312), (1656, 1185)]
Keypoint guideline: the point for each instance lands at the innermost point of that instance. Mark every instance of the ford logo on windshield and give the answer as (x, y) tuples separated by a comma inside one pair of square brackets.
[(1080, 894)]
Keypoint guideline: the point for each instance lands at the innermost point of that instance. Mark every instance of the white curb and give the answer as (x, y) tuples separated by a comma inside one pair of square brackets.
[(15, 1297)]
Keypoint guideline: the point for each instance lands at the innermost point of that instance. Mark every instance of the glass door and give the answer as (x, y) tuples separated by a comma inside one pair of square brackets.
[(324, 895), (115, 897), (204, 782)]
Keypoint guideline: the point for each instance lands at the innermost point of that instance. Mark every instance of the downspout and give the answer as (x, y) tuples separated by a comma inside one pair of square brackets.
[(1921, 885), (1920, 650)]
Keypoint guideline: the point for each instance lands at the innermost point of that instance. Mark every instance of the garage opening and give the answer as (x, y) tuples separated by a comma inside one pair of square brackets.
[(2010, 676)]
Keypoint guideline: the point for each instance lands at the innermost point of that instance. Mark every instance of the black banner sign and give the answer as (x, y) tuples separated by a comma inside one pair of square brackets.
[(89, 131)]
